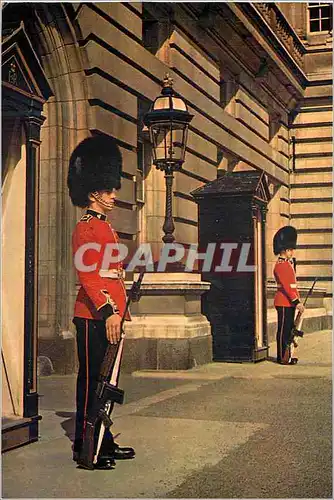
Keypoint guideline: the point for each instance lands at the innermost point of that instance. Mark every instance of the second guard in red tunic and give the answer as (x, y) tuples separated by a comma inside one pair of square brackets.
[(287, 296)]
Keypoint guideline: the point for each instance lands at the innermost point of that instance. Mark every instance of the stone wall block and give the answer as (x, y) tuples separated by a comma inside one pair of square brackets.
[(312, 208), (182, 64), (114, 125), (123, 16), (200, 167), (185, 208), (154, 230), (185, 233), (311, 222), (195, 53), (112, 94), (155, 203)]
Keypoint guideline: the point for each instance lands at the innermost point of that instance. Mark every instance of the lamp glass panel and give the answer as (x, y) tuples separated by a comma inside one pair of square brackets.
[(162, 103), (169, 142), (179, 104), (178, 142), (160, 136)]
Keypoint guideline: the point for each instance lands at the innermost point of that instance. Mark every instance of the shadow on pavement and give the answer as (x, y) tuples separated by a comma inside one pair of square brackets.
[(69, 424)]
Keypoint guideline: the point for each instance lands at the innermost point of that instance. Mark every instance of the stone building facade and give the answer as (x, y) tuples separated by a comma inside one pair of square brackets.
[(258, 79)]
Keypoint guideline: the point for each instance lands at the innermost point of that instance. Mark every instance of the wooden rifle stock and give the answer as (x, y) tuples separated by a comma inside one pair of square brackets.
[(107, 393)]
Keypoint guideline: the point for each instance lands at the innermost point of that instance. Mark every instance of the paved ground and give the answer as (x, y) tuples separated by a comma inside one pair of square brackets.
[(222, 430)]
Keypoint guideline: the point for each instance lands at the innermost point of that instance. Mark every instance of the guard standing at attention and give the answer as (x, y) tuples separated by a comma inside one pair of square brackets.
[(93, 178), (287, 295)]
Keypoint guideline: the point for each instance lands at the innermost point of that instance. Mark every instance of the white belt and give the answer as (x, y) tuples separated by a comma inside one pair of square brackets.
[(116, 274), (293, 285)]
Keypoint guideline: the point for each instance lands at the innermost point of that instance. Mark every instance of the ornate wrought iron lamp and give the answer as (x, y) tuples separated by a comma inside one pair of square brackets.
[(168, 121)]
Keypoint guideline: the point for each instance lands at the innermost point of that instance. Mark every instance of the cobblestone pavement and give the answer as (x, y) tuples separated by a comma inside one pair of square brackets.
[(223, 430)]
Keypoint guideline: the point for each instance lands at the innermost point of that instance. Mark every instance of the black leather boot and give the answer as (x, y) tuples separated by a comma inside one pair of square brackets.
[(111, 449)]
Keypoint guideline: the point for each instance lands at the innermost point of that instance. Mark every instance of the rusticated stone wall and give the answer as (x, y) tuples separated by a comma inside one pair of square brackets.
[(106, 62)]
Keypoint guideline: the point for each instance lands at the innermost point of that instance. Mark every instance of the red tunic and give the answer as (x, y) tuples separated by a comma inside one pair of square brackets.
[(98, 297), (287, 294)]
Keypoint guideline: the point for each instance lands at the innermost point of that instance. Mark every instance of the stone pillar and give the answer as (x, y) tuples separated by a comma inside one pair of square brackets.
[(154, 209)]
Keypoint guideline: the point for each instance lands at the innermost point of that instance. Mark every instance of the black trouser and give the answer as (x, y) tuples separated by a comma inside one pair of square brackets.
[(91, 344), (285, 322)]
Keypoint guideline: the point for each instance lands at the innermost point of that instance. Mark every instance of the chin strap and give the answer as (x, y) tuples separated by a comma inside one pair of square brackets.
[(99, 199)]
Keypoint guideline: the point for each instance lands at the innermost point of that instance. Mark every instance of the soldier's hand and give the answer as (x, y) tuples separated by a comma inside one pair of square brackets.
[(113, 328), (300, 307)]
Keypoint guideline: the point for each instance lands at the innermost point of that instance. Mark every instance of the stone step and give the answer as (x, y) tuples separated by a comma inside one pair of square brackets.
[(304, 191), (312, 207), (315, 239), (313, 222), (314, 254)]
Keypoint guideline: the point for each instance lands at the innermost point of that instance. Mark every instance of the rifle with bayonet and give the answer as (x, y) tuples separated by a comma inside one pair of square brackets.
[(296, 329), (107, 392)]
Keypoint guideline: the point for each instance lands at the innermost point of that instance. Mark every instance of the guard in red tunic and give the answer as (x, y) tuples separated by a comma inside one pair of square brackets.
[(287, 295), (93, 178)]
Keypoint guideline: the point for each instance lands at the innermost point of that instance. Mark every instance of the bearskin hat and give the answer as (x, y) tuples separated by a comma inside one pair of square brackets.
[(95, 165), (286, 237)]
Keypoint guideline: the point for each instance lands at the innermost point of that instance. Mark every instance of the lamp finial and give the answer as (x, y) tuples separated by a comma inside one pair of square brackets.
[(168, 81)]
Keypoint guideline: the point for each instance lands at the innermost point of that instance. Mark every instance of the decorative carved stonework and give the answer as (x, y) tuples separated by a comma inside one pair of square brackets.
[(16, 73), (21, 68), (282, 29), (255, 209), (12, 74), (264, 211)]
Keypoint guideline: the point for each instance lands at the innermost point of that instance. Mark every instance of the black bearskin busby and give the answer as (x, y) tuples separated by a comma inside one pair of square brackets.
[(286, 237), (95, 165)]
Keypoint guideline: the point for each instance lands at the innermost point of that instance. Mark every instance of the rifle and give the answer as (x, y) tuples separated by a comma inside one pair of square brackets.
[(107, 392), (296, 329)]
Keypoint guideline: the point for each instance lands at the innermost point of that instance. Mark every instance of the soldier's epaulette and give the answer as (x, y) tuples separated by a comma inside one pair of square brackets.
[(86, 218)]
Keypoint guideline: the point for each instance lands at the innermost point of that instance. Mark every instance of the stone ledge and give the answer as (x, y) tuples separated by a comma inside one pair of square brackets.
[(171, 284), (167, 327), (166, 354)]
